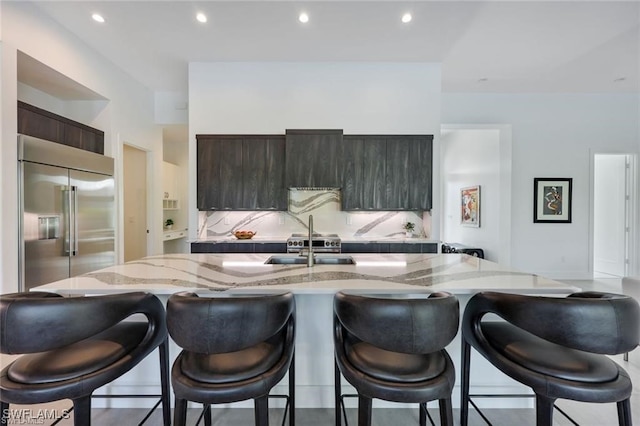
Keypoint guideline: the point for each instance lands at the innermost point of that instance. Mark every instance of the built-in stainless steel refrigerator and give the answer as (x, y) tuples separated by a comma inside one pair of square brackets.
[(67, 211)]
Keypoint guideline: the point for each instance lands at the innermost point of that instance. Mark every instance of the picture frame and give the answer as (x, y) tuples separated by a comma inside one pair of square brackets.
[(470, 206), (552, 199)]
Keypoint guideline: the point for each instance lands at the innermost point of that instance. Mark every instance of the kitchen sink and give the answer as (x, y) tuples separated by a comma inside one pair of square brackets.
[(318, 260)]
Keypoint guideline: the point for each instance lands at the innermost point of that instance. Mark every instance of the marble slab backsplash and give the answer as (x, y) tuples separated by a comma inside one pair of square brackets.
[(324, 205)]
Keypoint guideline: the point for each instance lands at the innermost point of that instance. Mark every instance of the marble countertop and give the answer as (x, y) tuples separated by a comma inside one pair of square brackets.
[(201, 273)]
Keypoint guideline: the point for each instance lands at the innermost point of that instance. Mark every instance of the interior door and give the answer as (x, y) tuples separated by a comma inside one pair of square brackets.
[(93, 208), (610, 214), (135, 200), (44, 224)]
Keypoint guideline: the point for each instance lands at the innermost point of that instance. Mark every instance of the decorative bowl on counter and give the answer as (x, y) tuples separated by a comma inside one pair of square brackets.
[(244, 235)]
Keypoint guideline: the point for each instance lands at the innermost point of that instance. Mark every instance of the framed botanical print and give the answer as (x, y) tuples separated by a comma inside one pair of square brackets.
[(552, 200), (470, 206)]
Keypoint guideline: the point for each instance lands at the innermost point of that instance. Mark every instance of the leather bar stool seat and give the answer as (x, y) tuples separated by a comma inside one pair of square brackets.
[(78, 359), (72, 346), (391, 347), (234, 349), (394, 367), (556, 346), (233, 366), (547, 358)]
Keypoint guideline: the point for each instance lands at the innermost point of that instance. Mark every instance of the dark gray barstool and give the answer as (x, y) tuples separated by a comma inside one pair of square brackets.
[(392, 348), (73, 345), (555, 346), (235, 349), (631, 287)]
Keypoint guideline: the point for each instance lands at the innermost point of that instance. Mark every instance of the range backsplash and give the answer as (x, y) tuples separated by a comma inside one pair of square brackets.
[(324, 205)]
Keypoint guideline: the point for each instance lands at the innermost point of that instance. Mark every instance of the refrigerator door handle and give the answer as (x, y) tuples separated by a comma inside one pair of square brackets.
[(73, 198), (68, 237)]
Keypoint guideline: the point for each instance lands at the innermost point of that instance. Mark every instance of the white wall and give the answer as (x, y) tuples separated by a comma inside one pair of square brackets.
[(383, 98), (553, 136), (128, 117)]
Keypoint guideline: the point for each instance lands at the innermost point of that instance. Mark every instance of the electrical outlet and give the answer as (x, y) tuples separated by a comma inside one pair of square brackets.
[(281, 219), (227, 221), (348, 219)]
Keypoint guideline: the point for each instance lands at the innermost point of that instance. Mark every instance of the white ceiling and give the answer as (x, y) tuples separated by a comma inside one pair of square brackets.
[(517, 46)]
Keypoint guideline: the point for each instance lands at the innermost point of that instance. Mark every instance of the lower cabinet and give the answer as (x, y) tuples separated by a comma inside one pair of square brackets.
[(281, 247), (374, 247), (240, 247)]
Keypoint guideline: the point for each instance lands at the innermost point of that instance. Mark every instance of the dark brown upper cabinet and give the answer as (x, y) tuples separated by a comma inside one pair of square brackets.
[(364, 173), (314, 158), (387, 172), (39, 123), (241, 172)]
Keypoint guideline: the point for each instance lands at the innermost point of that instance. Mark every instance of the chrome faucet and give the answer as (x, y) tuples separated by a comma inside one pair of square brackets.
[(310, 251)]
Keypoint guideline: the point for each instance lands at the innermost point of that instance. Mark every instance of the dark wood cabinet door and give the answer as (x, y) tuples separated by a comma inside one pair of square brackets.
[(421, 173), (229, 164), (386, 172), (38, 125), (314, 158), (352, 186), (219, 165), (397, 173), (263, 173), (73, 136), (364, 178), (83, 138), (92, 141), (241, 172), (375, 170)]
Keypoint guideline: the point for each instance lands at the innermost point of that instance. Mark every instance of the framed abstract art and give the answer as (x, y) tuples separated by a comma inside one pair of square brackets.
[(470, 206), (552, 200)]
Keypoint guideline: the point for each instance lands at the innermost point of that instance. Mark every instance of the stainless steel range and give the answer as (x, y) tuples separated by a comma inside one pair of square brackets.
[(321, 243)]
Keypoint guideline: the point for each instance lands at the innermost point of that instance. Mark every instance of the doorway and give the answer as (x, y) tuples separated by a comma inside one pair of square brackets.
[(470, 155), (135, 202), (612, 213)]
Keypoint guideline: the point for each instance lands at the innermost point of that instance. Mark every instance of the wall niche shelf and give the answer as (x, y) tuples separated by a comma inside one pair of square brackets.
[(168, 204)]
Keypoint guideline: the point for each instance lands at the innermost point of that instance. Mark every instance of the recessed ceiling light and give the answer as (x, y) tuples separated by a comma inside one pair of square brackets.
[(406, 18), (619, 79), (201, 17), (483, 79), (98, 18), (303, 17)]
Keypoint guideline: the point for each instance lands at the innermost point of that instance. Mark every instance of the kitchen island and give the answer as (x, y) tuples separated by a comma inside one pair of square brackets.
[(202, 273), (221, 274)]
